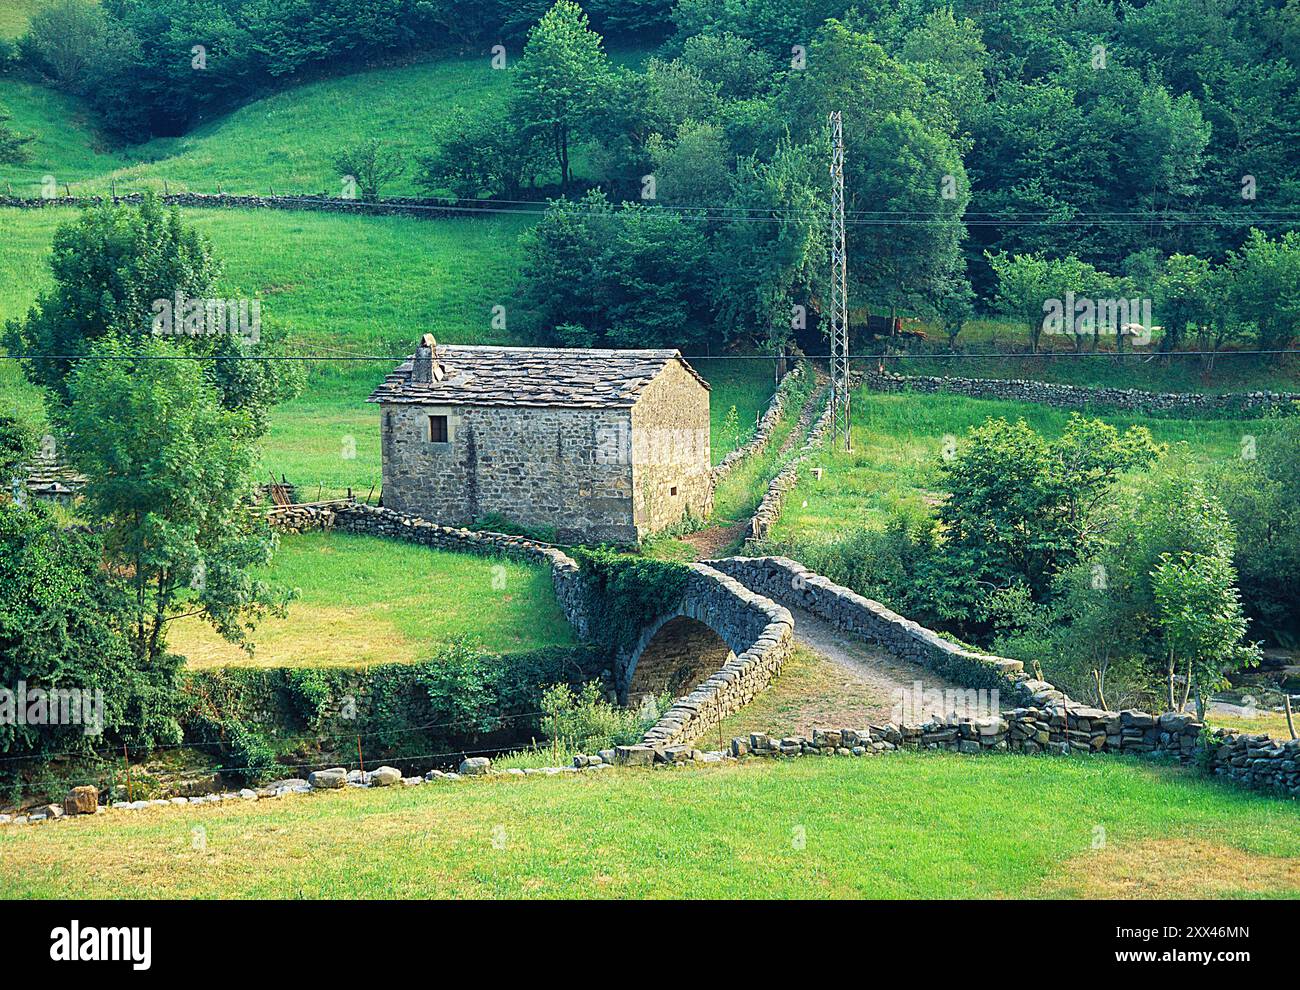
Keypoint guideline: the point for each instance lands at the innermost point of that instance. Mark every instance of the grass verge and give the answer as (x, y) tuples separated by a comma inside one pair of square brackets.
[(905, 825)]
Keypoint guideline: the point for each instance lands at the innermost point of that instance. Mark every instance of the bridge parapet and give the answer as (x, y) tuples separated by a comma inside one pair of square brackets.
[(756, 632)]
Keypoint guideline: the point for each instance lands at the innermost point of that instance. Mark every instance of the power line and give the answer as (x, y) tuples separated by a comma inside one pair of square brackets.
[(877, 356), (876, 218)]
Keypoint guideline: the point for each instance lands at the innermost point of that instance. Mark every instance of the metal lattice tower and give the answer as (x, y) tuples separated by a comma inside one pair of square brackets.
[(839, 308)]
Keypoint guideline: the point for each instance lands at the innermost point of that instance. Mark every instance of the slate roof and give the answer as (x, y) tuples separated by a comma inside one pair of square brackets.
[(581, 378)]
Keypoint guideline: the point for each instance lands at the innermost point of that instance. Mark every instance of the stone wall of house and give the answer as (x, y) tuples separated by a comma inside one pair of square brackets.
[(670, 451), (1245, 404), (567, 470)]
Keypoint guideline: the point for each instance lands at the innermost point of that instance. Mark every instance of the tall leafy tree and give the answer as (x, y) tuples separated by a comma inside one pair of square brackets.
[(561, 80), (112, 267), (1261, 493), (631, 276), (765, 275), (170, 480), (1266, 278), (1199, 614), (61, 627), (902, 163), (1023, 507)]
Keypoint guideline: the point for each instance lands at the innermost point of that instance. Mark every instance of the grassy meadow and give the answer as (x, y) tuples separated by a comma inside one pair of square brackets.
[(1232, 372), (364, 600), (15, 14), (286, 141), (348, 287), (907, 825), (898, 441)]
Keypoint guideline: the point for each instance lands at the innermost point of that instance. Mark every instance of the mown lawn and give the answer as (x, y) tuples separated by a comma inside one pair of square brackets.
[(366, 600), (906, 825), (898, 440)]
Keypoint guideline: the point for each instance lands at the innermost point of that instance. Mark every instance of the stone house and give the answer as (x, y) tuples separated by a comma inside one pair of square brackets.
[(598, 445)]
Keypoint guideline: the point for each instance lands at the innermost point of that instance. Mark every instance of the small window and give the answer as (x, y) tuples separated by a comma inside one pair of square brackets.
[(437, 429), (673, 490)]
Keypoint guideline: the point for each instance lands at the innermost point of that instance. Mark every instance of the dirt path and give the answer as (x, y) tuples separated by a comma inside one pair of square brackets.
[(870, 672), (715, 541)]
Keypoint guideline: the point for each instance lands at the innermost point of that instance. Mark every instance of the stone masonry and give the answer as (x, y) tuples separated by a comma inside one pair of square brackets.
[(596, 446), (1247, 404)]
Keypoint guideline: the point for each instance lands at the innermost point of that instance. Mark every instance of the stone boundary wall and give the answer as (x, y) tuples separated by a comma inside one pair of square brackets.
[(431, 207), (759, 441), (1242, 404), (1258, 761), (769, 509), (1044, 719), (745, 617)]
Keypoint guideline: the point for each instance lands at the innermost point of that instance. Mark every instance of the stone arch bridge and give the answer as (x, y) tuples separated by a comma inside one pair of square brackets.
[(720, 641)]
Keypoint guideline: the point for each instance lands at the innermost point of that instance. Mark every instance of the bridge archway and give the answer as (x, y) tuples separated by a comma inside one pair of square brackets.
[(676, 655)]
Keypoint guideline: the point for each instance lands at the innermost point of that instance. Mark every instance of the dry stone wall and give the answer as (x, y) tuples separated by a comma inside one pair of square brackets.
[(759, 441), (769, 508), (1044, 718), (1245, 404), (423, 207)]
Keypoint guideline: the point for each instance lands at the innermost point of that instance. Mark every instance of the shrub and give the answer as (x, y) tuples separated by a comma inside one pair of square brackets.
[(628, 592), (583, 721)]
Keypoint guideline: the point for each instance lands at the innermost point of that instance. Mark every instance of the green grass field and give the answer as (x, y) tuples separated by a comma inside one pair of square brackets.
[(285, 142), (365, 600), (347, 286), (898, 440), (1232, 372), (906, 825), (15, 14)]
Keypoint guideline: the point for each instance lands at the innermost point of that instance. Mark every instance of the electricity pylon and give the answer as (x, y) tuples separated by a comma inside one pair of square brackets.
[(839, 308)]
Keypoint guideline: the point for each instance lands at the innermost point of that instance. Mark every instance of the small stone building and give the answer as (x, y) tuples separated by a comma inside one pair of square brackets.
[(598, 445)]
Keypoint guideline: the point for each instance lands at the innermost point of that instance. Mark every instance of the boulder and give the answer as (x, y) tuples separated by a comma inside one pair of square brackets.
[(331, 779), (81, 801), (385, 777), (634, 756), (475, 766)]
